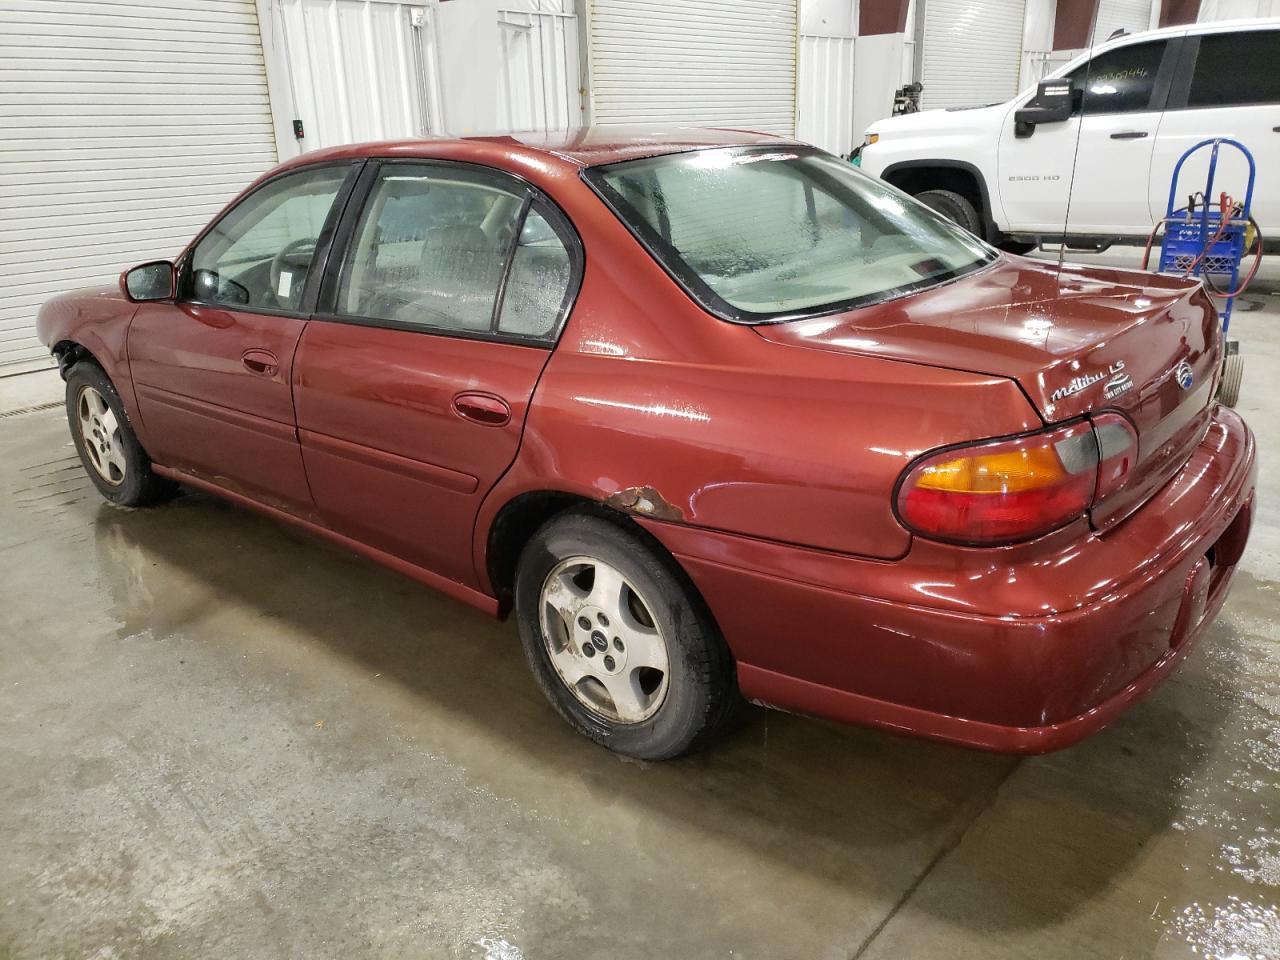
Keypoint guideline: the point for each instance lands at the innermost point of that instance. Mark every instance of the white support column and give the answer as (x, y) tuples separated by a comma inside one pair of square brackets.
[(279, 90), (468, 35)]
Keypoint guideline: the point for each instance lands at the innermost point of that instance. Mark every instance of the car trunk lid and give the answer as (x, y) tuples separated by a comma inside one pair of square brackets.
[(1078, 341)]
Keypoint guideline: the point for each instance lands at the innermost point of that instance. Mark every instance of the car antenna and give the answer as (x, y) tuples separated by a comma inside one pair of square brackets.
[(1075, 155)]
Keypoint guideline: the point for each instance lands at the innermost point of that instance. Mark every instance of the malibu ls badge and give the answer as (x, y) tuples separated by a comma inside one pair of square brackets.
[(1119, 382)]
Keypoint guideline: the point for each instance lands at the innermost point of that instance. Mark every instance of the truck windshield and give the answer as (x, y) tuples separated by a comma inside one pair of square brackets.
[(765, 234)]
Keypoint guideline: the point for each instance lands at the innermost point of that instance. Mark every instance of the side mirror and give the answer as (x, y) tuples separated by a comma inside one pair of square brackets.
[(1055, 100), (149, 281), (211, 287)]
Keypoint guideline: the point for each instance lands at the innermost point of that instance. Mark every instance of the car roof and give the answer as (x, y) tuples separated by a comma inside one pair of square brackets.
[(1126, 39), (579, 147), (1197, 29)]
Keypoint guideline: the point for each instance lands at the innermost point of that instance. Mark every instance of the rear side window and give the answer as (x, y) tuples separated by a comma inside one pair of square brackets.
[(1120, 81), (455, 250), (538, 283), (1234, 69)]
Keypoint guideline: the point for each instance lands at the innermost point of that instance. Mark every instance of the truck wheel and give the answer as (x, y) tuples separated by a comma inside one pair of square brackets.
[(619, 641), (954, 207)]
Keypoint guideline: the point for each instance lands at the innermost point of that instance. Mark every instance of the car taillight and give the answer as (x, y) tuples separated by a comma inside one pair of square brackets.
[(1003, 491)]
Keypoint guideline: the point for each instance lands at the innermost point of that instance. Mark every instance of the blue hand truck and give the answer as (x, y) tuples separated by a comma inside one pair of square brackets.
[(1210, 241)]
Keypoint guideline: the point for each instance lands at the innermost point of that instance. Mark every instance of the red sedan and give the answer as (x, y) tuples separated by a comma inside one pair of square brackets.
[(715, 414)]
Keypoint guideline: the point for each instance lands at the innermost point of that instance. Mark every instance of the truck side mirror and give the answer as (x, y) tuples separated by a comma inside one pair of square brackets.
[(1055, 100)]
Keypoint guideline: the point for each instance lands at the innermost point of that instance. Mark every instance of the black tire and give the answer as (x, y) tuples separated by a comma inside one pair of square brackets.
[(136, 485), (954, 207), (701, 682), (1232, 375)]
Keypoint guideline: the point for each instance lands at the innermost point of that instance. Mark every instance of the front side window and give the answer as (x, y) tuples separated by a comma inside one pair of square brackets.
[(259, 256), (1235, 69), (453, 249), (760, 233), (1119, 81)]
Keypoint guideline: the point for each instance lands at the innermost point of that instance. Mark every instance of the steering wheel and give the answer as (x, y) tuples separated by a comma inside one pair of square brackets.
[(295, 258)]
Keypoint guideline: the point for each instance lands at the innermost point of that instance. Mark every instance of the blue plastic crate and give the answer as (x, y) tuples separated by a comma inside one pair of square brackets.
[(1186, 233), (1184, 240)]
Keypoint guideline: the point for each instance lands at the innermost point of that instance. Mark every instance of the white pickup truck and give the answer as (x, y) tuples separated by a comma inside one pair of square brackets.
[(1145, 98)]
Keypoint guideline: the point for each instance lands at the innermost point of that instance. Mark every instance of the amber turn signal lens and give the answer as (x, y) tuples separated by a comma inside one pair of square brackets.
[(1006, 472)]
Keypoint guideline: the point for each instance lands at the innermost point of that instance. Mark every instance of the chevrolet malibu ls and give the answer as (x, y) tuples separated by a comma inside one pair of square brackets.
[(714, 414)]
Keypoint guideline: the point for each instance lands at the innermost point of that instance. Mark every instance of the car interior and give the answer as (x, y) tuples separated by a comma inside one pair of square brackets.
[(430, 250)]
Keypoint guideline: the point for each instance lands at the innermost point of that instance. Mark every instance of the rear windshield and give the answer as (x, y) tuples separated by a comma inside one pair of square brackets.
[(764, 234)]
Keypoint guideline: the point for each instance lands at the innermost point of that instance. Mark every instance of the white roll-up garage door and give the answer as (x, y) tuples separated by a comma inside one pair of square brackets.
[(715, 62), (972, 51), (124, 126), (1131, 16)]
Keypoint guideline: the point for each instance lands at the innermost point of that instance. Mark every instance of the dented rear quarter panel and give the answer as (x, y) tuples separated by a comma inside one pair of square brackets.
[(655, 407)]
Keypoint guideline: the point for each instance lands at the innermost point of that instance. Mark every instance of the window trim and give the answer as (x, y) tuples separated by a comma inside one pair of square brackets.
[(344, 236), (319, 259), (701, 293), (1167, 74)]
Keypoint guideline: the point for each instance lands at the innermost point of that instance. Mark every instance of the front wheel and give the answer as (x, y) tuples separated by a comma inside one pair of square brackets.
[(954, 207), (108, 448), (619, 641)]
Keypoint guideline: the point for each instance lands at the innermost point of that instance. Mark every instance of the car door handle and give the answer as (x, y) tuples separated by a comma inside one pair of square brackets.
[(482, 408), (1129, 135), (261, 362)]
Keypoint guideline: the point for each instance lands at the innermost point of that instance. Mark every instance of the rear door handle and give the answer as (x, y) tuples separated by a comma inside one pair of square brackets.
[(483, 408), (261, 362), (1129, 135)]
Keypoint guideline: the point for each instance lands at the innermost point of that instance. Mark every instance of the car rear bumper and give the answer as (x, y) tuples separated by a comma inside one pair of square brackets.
[(1021, 650)]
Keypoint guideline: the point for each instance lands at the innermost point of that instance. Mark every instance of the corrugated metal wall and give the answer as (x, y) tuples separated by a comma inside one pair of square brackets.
[(1132, 16), (124, 126), (972, 51), (718, 62), (539, 73), (360, 69), (1211, 10), (825, 91)]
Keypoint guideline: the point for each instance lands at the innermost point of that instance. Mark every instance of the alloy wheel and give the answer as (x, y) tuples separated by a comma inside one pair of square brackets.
[(603, 640), (100, 432)]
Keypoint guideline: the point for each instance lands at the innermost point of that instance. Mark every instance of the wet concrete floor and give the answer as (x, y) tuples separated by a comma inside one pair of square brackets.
[(220, 737)]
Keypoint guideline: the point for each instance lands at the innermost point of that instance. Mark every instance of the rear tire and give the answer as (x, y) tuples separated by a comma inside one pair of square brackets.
[(104, 438), (954, 207), (619, 641)]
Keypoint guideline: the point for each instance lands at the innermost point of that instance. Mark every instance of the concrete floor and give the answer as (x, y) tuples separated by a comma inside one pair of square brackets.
[(219, 737)]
